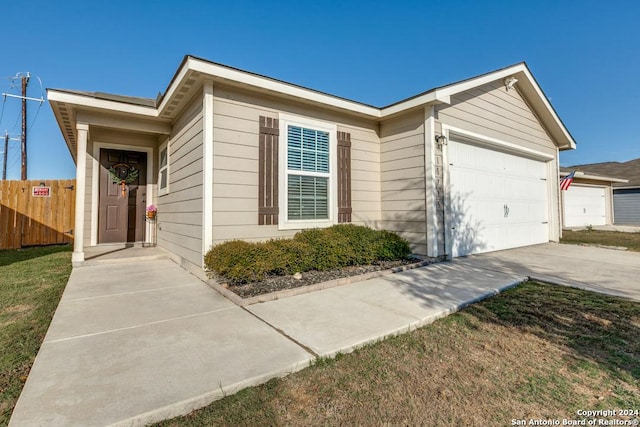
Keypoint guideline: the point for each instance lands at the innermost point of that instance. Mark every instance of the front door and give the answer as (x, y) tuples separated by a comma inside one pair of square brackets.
[(123, 191)]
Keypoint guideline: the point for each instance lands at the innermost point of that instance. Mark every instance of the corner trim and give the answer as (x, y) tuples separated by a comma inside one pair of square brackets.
[(207, 165)]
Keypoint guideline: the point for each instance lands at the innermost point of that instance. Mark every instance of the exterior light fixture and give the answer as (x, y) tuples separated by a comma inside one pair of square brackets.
[(441, 140), (510, 82)]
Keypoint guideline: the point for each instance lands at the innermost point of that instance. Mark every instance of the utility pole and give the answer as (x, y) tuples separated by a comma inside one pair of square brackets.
[(25, 82), (6, 152), (24, 77)]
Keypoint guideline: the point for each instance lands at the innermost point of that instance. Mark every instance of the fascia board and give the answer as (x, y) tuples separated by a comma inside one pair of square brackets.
[(173, 86), (594, 177), (85, 101), (217, 71), (443, 95), (428, 98), (545, 101), (56, 113)]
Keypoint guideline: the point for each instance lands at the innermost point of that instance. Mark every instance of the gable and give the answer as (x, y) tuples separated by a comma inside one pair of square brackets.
[(494, 111)]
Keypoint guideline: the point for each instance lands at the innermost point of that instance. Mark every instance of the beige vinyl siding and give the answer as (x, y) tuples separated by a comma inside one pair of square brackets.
[(403, 178), (180, 211), (492, 111), (235, 174)]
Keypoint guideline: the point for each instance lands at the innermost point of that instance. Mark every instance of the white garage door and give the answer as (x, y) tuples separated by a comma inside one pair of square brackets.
[(584, 206), (498, 200)]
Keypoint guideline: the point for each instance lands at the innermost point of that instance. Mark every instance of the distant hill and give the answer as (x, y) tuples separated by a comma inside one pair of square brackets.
[(625, 170)]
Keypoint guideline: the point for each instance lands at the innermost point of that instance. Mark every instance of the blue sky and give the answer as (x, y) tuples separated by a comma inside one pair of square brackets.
[(584, 54)]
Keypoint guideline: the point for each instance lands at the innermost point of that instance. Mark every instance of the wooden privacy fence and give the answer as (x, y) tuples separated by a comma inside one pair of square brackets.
[(32, 214)]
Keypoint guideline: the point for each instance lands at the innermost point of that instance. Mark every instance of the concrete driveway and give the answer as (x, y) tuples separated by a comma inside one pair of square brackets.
[(607, 271)]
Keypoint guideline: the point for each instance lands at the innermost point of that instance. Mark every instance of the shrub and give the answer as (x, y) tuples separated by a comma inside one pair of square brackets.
[(329, 250), (236, 260), (313, 249), (391, 246), (287, 256)]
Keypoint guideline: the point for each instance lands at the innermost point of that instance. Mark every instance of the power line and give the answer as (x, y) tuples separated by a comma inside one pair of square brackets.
[(24, 82)]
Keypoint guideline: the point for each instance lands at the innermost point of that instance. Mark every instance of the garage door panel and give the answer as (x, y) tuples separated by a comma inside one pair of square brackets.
[(584, 206), (498, 200), (626, 206), (479, 183)]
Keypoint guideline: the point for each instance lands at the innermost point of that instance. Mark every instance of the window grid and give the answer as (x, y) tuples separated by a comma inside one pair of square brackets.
[(308, 173)]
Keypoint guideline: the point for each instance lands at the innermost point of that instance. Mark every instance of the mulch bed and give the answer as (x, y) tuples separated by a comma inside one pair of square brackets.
[(278, 283)]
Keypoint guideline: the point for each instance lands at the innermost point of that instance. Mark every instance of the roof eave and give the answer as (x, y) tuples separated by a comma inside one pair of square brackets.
[(201, 69), (55, 96), (583, 175), (222, 73), (61, 100)]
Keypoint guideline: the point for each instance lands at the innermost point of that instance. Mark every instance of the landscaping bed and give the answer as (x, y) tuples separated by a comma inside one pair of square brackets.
[(312, 256), (279, 283)]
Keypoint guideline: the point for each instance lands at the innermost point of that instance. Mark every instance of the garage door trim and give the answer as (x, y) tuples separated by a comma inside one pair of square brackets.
[(462, 135)]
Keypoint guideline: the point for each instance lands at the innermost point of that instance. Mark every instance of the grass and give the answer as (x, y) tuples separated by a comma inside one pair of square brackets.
[(607, 238), (535, 351), (31, 284)]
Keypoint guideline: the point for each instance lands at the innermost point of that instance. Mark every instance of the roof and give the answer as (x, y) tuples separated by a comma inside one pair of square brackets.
[(594, 177), (193, 71), (625, 170), (146, 102)]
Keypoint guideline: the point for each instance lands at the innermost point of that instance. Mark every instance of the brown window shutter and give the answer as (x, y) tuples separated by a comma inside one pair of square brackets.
[(344, 177), (268, 171)]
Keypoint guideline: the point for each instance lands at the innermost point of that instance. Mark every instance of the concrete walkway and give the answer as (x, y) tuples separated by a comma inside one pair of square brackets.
[(143, 341), (137, 342), (343, 318)]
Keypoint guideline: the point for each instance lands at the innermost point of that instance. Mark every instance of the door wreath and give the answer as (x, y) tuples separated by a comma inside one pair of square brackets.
[(123, 174)]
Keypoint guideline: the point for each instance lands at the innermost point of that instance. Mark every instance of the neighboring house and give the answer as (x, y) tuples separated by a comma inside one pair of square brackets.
[(589, 199), (227, 154), (626, 193)]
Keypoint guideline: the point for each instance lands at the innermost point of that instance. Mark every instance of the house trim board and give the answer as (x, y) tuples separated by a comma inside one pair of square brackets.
[(495, 143), (207, 165), (430, 185)]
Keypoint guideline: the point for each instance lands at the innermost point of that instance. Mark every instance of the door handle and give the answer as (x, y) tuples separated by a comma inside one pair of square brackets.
[(506, 211)]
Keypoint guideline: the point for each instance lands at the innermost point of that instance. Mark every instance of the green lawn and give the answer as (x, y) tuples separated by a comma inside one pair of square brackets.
[(607, 238), (535, 351), (31, 284)]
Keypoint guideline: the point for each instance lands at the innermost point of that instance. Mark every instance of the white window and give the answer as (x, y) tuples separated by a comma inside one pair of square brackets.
[(163, 169), (308, 170)]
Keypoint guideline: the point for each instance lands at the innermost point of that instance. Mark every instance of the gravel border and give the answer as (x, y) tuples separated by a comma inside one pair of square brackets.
[(285, 286)]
